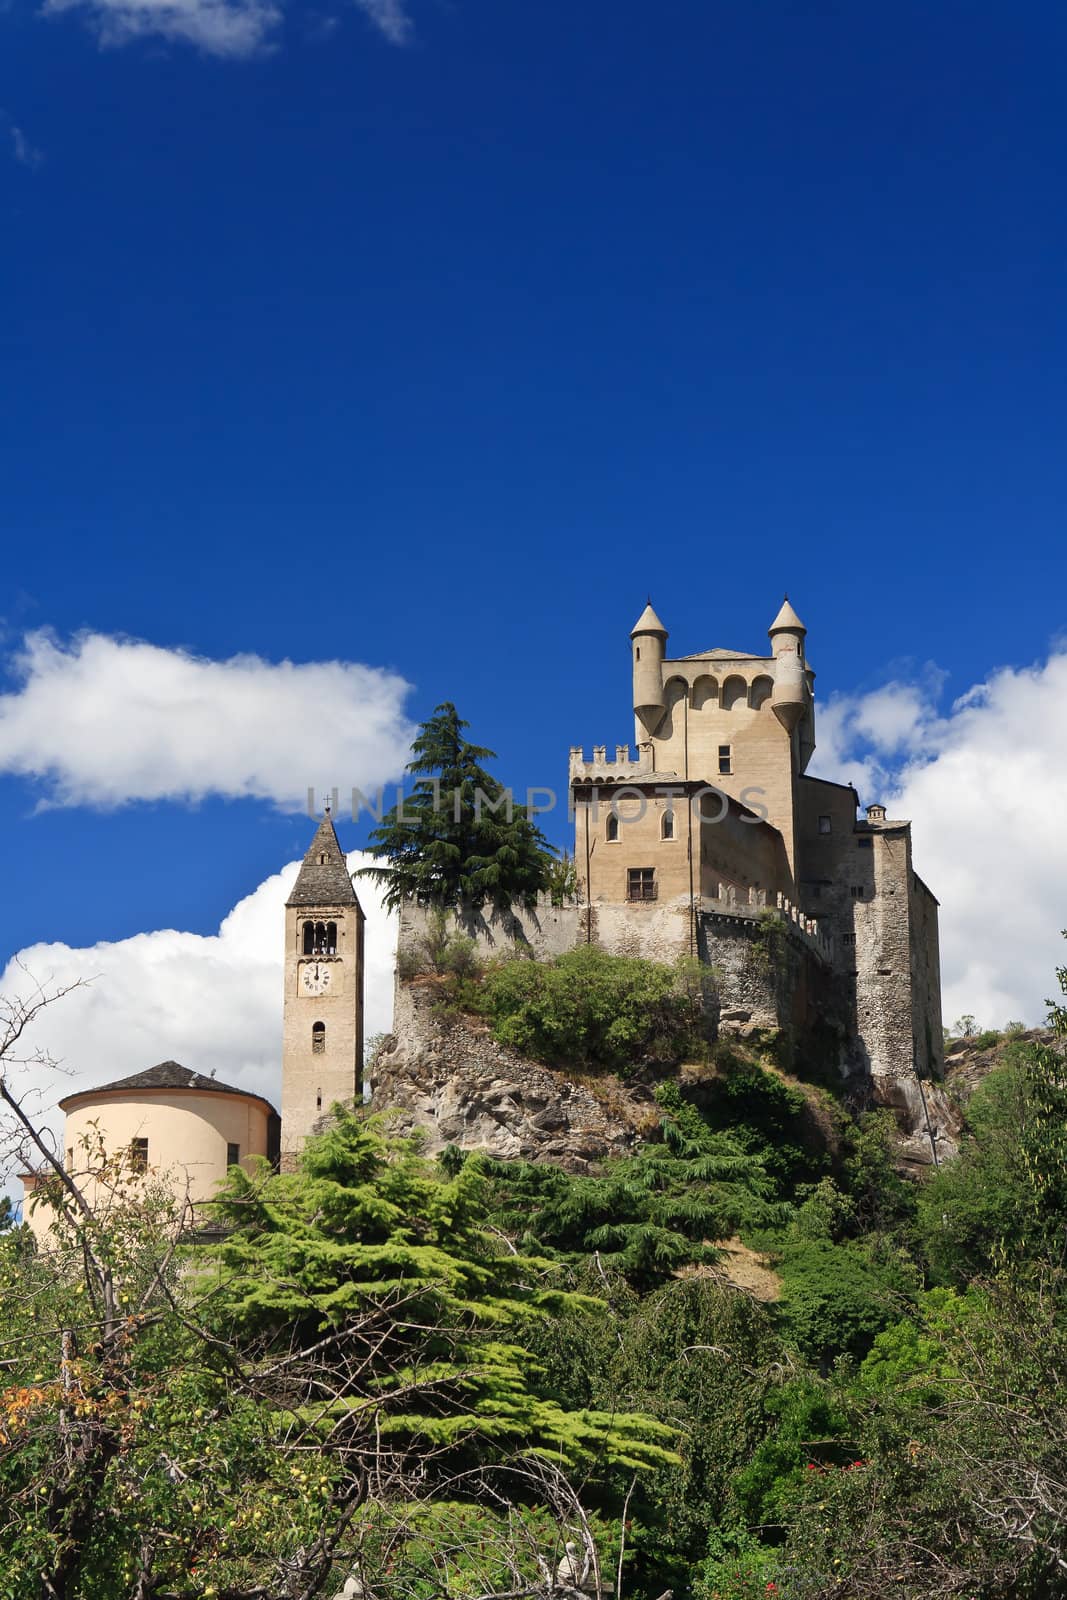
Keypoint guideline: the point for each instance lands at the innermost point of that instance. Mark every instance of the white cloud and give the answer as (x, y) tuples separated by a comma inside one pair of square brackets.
[(985, 787), (218, 27), (26, 154), (390, 17), (232, 28), (211, 1002), (102, 721)]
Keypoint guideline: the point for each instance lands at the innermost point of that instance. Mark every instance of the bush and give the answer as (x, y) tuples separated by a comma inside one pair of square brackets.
[(591, 1010), (986, 1040), (836, 1298)]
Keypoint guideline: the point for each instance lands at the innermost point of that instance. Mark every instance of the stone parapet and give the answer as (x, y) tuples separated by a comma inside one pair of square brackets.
[(620, 768)]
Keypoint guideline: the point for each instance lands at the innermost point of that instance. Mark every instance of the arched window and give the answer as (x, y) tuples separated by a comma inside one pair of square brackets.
[(734, 693), (666, 825), (318, 1038), (705, 692), (611, 831), (309, 938), (331, 938), (760, 692)]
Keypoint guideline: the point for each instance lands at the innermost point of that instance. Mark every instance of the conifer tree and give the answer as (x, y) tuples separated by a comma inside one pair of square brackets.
[(457, 840), (369, 1237)]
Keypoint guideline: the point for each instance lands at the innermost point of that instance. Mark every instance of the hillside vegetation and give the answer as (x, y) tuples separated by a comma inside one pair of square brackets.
[(428, 1377)]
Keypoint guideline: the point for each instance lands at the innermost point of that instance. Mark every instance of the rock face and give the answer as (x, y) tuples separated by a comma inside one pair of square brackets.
[(929, 1121), (448, 1076)]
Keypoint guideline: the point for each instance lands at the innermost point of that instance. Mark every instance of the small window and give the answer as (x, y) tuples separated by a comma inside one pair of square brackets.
[(641, 883), (848, 938), (139, 1155), (233, 1155), (825, 825), (857, 891), (318, 1039), (725, 762), (323, 860), (318, 1099), (666, 827), (611, 831), (309, 938), (864, 844)]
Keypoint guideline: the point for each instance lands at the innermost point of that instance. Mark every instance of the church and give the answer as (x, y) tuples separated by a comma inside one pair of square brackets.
[(192, 1127)]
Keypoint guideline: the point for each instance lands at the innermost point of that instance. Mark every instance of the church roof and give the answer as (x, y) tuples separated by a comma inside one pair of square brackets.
[(167, 1075), (786, 618), (648, 622), (323, 879)]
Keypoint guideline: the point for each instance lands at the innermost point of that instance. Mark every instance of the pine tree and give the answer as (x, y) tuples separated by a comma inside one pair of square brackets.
[(370, 1247), (457, 841)]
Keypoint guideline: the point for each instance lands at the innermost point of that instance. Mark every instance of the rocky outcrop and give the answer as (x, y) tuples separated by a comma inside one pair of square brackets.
[(969, 1061), (446, 1075), (929, 1121)]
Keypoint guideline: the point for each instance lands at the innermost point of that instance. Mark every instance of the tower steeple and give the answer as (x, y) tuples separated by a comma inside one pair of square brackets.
[(323, 878), (322, 1043)]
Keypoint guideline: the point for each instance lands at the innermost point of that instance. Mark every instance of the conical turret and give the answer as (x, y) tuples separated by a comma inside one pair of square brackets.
[(790, 689), (649, 639), (787, 631)]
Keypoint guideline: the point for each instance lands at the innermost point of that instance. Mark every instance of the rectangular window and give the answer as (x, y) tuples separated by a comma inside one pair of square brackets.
[(725, 763), (641, 883), (848, 938), (864, 844), (233, 1155), (857, 891), (824, 825), (139, 1155)]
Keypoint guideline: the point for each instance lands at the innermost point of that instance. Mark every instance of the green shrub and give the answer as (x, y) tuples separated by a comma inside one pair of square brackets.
[(594, 1011), (986, 1040), (836, 1298)]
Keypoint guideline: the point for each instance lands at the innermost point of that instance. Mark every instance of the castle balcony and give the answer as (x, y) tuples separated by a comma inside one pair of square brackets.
[(603, 769), (728, 903)]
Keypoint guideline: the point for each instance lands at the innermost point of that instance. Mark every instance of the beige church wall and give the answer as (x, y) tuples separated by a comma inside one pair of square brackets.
[(187, 1134)]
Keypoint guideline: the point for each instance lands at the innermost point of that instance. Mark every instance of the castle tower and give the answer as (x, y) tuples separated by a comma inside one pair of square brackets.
[(322, 1040), (649, 638)]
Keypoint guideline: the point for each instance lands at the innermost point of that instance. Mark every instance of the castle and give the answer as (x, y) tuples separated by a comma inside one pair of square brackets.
[(718, 815), (713, 840)]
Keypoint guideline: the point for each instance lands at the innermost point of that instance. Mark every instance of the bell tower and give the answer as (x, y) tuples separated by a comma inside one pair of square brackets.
[(322, 1035)]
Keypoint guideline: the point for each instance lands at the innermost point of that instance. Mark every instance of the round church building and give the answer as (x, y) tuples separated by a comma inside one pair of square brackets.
[(177, 1124)]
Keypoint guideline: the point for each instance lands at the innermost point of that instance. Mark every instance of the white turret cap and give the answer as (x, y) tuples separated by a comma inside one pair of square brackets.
[(648, 622), (786, 621)]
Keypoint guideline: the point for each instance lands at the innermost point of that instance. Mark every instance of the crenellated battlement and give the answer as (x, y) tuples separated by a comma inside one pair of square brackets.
[(605, 769), (753, 903)]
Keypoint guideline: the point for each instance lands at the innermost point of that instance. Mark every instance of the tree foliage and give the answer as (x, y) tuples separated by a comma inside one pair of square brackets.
[(458, 840)]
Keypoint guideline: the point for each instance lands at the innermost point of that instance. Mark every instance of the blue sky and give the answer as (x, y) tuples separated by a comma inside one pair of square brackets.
[(433, 337)]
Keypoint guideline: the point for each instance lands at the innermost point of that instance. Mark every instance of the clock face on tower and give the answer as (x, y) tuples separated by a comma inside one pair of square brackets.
[(315, 977)]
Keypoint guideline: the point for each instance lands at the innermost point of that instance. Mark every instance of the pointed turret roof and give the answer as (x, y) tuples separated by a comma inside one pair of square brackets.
[(323, 879), (648, 622), (787, 619)]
